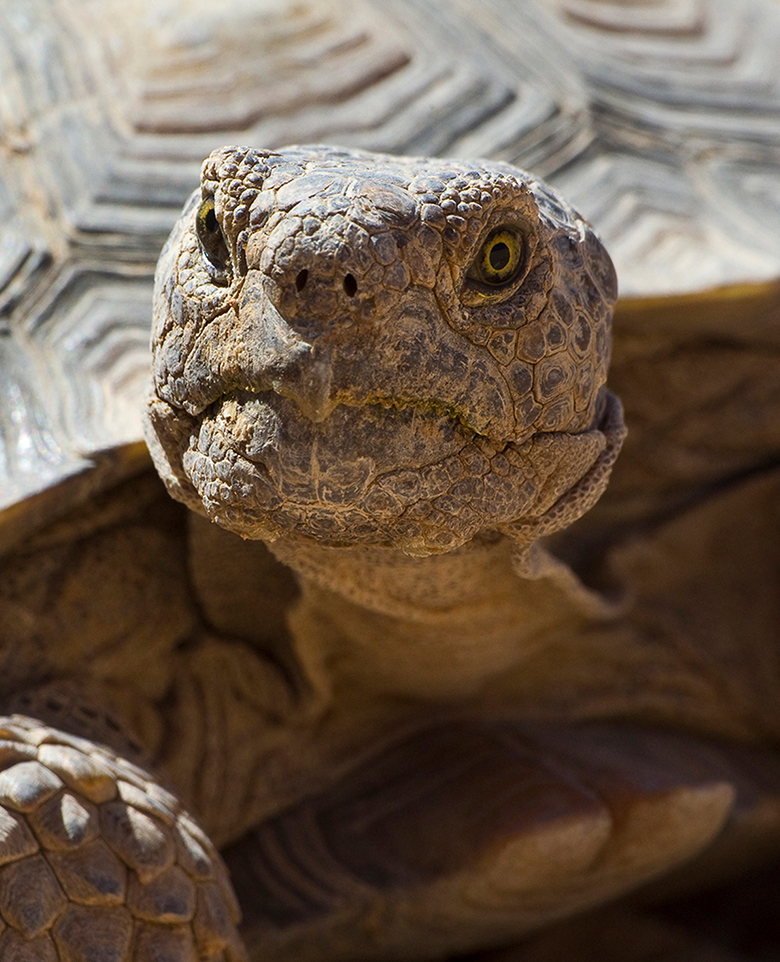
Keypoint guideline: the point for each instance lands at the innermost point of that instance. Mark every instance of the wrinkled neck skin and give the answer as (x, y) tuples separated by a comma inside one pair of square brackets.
[(437, 627)]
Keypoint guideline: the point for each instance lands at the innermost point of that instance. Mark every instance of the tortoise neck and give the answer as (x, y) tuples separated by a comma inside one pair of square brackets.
[(440, 626), (388, 582)]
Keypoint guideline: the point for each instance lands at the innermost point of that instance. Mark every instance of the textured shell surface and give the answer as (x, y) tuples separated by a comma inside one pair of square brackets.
[(659, 120), (613, 738)]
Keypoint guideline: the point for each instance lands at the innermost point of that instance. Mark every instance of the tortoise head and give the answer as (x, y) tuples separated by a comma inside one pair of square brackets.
[(397, 352)]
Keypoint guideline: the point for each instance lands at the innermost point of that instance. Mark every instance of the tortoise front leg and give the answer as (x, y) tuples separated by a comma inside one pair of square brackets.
[(476, 833), (99, 861)]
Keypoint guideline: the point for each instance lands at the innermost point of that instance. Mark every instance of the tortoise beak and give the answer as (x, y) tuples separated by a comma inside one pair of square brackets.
[(284, 362)]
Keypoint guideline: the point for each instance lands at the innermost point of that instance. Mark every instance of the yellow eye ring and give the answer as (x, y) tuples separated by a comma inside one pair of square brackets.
[(207, 217), (500, 256)]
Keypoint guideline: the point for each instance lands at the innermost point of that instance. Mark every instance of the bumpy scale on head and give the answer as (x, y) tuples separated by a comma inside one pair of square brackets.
[(363, 349)]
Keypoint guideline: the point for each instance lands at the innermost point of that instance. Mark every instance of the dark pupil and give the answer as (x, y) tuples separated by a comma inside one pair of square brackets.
[(498, 257), (211, 220)]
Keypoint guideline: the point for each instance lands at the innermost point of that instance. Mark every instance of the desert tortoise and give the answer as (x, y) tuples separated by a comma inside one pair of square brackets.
[(468, 800)]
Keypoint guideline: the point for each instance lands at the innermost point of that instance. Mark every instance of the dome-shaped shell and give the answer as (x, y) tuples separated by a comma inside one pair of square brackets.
[(660, 121)]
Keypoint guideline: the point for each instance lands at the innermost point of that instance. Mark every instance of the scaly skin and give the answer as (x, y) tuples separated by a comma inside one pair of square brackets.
[(338, 374), (99, 861), (347, 379)]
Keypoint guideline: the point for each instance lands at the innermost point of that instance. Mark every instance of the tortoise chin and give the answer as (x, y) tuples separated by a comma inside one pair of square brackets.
[(258, 467)]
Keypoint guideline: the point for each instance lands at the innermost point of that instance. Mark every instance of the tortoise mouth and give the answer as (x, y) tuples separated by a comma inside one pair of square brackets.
[(324, 382), (356, 476), (370, 475), (269, 429)]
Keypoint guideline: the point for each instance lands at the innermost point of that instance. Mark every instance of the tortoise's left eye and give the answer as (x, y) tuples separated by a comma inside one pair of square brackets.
[(212, 240), (500, 257)]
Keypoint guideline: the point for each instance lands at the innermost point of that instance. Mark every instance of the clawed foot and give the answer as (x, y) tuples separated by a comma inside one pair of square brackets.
[(471, 834), (98, 862)]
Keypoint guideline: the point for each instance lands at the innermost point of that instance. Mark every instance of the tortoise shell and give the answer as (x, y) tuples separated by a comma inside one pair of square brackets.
[(659, 121)]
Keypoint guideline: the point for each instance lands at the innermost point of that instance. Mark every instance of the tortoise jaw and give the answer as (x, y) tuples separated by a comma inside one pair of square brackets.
[(366, 475)]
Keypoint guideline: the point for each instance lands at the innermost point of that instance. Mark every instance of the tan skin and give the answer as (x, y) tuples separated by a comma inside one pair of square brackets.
[(436, 736), (401, 418)]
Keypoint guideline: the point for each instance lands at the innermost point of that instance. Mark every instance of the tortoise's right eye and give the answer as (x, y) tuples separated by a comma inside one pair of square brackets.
[(212, 240)]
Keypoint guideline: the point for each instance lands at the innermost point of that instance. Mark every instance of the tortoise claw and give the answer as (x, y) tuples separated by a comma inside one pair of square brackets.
[(98, 861)]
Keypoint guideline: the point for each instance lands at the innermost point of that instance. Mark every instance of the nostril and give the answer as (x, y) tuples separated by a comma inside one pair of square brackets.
[(300, 280), (350, 285)]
